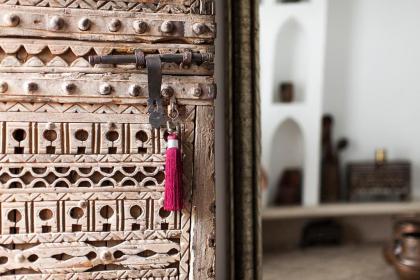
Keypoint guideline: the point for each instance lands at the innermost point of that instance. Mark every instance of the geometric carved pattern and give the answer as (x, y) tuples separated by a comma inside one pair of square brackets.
[(82, 171), (66, 203), (72, 177), (64, 56), (203, 7), (82, 256), (43, 217), (80, 138)]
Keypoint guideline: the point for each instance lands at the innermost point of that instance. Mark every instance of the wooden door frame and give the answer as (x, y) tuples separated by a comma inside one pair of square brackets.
[(243, 138)]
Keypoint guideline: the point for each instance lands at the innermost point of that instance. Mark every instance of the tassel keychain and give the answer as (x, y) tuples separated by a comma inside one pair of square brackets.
[(173, 166)]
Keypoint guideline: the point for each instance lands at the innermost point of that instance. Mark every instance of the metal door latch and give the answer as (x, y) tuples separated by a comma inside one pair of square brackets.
[(153, 63)]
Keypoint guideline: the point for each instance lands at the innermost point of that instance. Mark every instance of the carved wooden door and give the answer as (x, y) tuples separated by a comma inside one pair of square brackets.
[(81, 169)]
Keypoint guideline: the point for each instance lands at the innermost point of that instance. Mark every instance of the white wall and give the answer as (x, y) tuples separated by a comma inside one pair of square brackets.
[(372, 78), (287, 30)]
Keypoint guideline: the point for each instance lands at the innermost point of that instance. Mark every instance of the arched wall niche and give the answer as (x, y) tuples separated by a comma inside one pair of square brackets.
[(291, 59), (287, 151)]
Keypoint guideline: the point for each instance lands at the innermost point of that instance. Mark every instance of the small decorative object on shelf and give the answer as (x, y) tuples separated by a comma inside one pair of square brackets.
[(289, 188), (325, 232), (330, 162), (286, 93), (381, 180), (380, 156), (403, 252)]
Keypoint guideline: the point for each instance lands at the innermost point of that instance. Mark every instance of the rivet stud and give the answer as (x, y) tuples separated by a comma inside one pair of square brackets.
[(56, 23), (140, 26), (3, 87), (31, 87), (105, 89), (167, 26), (134, 90), (84, 24), (167, 91), (199, 28), (11, 20), (197, 91), (69, 87), (114, 25)]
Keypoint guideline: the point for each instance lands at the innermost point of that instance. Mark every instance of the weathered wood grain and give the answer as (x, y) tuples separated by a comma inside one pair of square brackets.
[(203, 239), (80, 87), (82, 171)]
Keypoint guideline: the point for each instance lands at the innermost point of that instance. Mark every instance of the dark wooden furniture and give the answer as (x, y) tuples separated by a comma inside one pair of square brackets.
[(370, 181)]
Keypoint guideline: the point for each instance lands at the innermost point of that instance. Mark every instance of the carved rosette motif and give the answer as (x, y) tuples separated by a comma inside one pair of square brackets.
[(82, 171)]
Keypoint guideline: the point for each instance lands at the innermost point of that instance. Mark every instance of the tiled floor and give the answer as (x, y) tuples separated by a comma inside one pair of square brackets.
[(339, 263)]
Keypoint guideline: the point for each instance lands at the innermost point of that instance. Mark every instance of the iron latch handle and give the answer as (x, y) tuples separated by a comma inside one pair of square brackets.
[(138, 58), (153, 63)]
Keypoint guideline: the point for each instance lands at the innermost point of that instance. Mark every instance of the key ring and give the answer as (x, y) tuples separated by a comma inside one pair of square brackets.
[(173, 115), (173, 112)]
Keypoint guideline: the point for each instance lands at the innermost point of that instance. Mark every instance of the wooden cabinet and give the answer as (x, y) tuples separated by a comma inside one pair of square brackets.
[(82, 172)]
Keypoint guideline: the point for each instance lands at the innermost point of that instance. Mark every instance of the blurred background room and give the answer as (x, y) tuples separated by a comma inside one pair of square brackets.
[(340, 94)]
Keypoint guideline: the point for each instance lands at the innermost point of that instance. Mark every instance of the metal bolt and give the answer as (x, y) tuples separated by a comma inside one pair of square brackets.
[(134, 90), (31, 87), (167, 26), (199, 28), (3, 87), (140, 26), (167, 91), (197, 91), (20, 258), (50, 126), (114, 25), (69, 87), (106, 256), (56, 23), (105, 89), (84, 24), (11, 20)]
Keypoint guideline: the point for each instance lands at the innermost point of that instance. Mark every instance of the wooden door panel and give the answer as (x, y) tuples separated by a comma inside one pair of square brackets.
[(82, 172)]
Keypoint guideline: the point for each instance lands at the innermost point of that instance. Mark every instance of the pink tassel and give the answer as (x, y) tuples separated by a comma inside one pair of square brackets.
[(173, 175)]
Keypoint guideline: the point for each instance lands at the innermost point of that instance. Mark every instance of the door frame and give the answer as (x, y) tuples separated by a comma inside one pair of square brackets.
[(243, 138)]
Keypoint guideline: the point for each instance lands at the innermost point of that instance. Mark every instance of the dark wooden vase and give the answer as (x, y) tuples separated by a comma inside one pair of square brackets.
[(289, 188)]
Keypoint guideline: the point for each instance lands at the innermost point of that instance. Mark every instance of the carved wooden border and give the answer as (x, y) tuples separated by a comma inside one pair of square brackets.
[(28, 55), (203, 242), (101, 87), (104, 25), (202, 7)]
